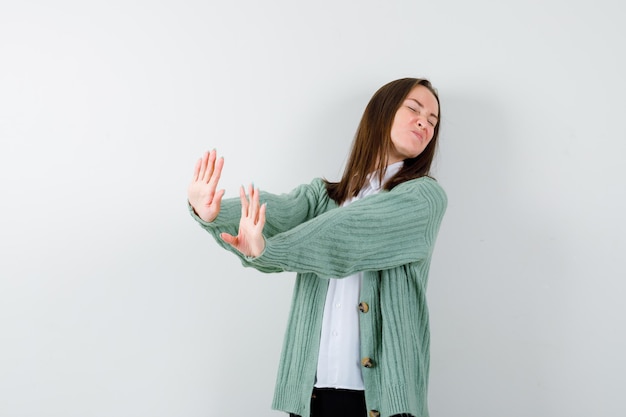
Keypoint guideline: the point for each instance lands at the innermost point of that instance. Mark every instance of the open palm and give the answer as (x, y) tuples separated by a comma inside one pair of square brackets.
[(249, 239), (202, 192)]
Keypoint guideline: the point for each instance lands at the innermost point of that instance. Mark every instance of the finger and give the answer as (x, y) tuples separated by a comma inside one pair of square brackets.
[(210, 166), (261, 221), (244, 202), (203, 162), (217, 173), (255, 204), (251, 207), (196, 170)]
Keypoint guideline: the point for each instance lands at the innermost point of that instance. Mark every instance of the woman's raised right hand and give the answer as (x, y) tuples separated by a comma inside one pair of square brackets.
[(202, 192)]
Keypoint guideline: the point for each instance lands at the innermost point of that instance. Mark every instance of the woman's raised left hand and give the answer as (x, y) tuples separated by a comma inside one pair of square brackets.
[(249, 240)]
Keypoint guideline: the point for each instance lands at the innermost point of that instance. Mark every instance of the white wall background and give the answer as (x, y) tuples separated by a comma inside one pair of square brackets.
[(113, 302)]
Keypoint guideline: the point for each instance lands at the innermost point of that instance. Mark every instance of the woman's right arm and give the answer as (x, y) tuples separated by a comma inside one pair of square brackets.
[(284, 211)]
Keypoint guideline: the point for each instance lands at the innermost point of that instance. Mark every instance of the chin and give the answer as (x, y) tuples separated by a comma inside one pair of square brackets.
[(414, 155)]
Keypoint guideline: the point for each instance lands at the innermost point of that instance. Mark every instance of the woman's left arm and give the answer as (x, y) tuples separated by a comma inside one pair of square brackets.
[(382, 231)]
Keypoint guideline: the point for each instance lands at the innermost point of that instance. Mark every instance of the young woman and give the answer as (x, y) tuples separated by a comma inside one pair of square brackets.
[(357, 340)]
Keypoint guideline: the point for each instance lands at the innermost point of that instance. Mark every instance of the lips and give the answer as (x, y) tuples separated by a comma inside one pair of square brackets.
[(419, 135)]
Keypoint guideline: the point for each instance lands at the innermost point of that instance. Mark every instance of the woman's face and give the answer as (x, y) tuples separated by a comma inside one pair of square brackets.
[(413, 125)]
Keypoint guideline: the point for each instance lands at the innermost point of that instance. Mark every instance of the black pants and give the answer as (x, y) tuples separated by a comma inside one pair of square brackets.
[(331, 402)]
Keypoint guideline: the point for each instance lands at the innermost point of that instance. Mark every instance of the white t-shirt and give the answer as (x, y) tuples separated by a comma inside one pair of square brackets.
[(339, 360)]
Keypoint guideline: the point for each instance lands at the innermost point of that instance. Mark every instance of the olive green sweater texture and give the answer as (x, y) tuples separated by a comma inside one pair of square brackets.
[(389, 237)]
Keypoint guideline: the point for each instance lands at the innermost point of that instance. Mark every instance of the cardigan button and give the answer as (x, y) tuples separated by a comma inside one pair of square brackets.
[(363, 307), (367, 362), (374, 413)]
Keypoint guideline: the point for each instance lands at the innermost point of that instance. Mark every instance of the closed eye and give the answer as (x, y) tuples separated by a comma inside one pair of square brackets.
[(433, 119), (418, 111)]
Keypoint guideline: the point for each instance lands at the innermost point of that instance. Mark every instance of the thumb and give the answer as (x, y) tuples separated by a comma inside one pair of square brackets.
[(230, 239), (217, 199)]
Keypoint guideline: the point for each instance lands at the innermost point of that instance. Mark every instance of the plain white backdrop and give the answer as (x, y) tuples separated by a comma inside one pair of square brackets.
[(113, 302)]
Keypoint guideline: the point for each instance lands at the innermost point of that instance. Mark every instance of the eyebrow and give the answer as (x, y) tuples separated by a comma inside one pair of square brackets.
[(422, 106)]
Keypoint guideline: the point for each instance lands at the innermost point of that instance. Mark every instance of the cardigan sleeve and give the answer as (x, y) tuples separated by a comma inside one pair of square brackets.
[(283, 213), (378, 232)]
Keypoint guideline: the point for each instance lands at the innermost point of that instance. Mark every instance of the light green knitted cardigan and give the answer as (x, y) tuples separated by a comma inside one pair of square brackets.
[(388, 236)]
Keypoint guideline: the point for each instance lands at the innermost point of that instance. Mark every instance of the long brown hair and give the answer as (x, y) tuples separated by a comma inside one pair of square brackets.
[(372, 143)]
